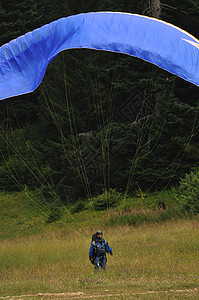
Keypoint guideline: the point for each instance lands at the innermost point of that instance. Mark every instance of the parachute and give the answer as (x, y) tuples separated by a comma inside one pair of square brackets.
[(23, 61)]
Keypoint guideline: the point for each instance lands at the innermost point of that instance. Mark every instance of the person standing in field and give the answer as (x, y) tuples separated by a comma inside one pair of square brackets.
[(98, 249)]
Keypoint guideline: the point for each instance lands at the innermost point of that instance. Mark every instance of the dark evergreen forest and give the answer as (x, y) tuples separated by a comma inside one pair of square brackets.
[(98, 120)]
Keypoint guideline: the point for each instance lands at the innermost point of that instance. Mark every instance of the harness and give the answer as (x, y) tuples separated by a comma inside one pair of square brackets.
[(94, 245)]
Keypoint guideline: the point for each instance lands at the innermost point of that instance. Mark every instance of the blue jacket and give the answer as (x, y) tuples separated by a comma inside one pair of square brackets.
[(99, 248)]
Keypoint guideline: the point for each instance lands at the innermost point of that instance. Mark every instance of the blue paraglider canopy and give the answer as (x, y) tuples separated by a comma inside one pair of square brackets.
[(23, 61)]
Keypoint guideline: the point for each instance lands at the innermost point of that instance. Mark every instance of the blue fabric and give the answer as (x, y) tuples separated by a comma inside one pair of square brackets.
[(101, 248), (100, 261), (23, 61)]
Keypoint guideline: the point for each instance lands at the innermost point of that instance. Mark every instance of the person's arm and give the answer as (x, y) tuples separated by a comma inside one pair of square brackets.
[(108, 249), (91, 252)]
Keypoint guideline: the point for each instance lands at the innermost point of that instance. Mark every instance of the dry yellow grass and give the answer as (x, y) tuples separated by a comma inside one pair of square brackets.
[(152, 257)]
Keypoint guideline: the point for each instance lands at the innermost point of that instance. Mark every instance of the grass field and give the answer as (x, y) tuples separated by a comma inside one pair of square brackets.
[(151, 261)]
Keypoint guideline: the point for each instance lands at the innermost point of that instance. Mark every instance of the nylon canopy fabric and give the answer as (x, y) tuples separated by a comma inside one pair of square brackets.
[(23, 61)]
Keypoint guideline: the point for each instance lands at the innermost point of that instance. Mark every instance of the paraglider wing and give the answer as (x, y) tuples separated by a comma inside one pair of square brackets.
[(23, 61)]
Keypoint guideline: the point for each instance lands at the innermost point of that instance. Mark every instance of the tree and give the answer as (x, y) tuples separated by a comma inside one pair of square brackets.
[(100, 119)]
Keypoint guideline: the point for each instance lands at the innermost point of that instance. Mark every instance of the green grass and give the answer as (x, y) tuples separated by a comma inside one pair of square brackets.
[(19, 215), (26, 213), (53, 258)]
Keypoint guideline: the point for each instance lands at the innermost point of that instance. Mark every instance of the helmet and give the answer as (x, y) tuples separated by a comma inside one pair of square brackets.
[(99, 232)]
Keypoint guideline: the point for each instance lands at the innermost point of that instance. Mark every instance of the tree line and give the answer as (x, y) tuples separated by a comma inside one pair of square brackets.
[(98, 120)]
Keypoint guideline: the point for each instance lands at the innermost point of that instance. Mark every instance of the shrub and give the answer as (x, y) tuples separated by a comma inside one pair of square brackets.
[(77, 207), (54, 214), (106, 200), (188, 193), (133, 216)]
